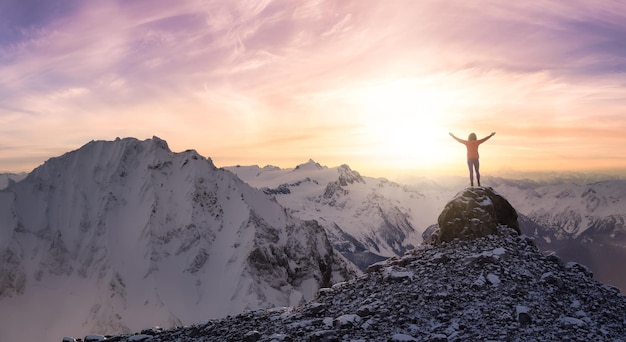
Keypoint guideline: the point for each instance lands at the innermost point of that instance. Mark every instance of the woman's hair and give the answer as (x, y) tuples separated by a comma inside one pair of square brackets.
[(472, 136)]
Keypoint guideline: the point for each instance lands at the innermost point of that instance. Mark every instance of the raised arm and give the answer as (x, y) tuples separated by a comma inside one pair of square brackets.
[(457, 139), (486, 138)]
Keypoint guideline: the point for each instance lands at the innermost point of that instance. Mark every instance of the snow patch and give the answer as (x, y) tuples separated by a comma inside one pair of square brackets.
[(499, 251), (565, 320), (402, 338), (348, 319), (493, 279), (392, 273), (328, 322)]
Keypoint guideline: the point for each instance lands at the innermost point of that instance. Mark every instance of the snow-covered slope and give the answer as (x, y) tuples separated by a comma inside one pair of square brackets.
[(121, 235), (6, 178), (492, 288), (367, 219), (569, 210)]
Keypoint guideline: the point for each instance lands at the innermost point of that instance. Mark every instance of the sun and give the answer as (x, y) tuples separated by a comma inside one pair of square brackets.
[(406, 123)]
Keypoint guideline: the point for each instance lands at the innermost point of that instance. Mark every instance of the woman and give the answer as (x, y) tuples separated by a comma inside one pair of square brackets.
[(472, 154)]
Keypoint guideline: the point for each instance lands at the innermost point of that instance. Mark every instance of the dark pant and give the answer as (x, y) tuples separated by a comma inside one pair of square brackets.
[(472, 163)]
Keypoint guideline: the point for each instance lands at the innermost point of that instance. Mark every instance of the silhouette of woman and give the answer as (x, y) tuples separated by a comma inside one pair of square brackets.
[(472, 154)]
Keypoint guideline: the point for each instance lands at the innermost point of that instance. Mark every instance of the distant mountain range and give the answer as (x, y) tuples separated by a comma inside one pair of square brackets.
[(120, 235), (5, 178), (367, 219), (580, 222)]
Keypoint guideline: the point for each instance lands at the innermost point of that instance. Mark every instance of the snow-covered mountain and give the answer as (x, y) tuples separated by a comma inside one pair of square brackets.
[(367, 219), (570, 210), (123, 234), (6, 178), (476, 287), (585, 223)]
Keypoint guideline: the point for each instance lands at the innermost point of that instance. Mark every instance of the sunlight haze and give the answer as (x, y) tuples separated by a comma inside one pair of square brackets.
[(375, 85)]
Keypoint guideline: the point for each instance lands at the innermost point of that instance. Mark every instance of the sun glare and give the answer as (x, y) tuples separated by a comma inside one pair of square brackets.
[(406, 123)]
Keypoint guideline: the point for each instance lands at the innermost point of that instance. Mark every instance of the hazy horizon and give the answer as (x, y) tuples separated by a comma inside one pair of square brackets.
[(459, 173)]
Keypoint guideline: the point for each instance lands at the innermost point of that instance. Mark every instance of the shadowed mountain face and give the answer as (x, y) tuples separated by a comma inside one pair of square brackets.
[(493, 286)]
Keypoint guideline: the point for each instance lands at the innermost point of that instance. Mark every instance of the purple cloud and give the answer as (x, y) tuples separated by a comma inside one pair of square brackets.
[(249, 66)]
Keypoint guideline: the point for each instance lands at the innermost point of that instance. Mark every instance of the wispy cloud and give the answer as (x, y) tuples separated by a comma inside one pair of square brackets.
[(215, 75)]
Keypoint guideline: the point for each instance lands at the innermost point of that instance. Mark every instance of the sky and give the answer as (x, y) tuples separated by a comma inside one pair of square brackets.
[(377, 85)]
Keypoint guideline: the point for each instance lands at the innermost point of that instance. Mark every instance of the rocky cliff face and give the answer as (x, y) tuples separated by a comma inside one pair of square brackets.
[(494, 286)]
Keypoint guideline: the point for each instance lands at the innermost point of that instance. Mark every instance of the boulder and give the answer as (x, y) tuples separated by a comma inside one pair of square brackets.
[(473, 213)]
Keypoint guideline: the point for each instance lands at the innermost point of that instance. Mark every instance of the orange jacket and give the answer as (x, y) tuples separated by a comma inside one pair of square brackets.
[(472, 146)]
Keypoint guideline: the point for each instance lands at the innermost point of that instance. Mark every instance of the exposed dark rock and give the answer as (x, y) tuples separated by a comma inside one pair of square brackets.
[(348, 176), (473, 213)]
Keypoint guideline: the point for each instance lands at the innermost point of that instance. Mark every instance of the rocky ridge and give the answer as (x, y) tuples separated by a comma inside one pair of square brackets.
[(493, 287), (366, 219)]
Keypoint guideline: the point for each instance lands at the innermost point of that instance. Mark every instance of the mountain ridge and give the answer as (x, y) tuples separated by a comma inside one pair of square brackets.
[(129, 233), (368, 219)]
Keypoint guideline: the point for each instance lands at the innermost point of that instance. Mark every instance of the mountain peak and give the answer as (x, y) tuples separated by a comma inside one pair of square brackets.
[(348, 176), (160, 143), (113, 216), (154, 142), (310, 165)]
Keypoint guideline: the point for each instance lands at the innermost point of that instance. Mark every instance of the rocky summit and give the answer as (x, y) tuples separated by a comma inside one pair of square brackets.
[(474, 212), (493, 287)]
